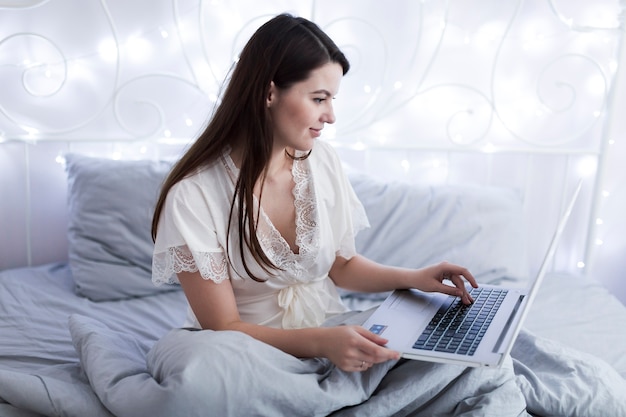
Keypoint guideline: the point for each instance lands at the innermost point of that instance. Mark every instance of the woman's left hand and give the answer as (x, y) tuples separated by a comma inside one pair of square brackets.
[(431, 279)]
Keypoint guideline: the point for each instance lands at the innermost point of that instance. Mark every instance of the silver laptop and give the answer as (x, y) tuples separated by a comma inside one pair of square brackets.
[(439, 328)]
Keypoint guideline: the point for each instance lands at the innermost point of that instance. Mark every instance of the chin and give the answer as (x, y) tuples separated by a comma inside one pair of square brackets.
[(306, 146)]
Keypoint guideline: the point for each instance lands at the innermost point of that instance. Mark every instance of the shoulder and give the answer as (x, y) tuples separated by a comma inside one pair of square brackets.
[(202, 184), (324, 156), (328, 172), (324, 149)]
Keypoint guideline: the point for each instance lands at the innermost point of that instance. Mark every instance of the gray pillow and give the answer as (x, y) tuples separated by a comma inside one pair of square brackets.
[(480, 227), (110, 213)]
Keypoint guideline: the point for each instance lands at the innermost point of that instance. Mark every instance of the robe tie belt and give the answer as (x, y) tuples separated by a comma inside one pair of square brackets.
[(304, 304)]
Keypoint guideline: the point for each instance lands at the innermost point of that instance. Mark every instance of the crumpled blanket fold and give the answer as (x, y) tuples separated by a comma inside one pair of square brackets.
[(200, 373)]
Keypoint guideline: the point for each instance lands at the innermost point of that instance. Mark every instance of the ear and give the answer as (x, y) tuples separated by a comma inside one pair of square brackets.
[(271, 95)]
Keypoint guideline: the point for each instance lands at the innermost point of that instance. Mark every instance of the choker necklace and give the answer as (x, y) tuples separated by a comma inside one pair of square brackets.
[(298, 158)]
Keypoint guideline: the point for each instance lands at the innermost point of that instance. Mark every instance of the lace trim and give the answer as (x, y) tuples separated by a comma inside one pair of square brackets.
[(306, 227), (211, 265), (307, 238)]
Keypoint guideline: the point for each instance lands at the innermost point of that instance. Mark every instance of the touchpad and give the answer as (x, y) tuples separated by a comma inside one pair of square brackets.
[(413, 302)]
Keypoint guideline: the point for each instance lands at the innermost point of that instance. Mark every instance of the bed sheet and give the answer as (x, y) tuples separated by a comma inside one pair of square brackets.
[(580, 312), (35, 305), (38, 354)]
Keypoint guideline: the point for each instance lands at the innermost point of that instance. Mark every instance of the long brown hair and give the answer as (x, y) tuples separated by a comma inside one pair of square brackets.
[(284, 50)]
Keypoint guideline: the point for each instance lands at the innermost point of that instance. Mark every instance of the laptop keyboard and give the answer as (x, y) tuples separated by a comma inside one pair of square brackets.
[(459, 328)]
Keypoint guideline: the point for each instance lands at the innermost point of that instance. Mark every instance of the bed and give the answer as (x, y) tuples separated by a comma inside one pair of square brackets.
[(82, 337)]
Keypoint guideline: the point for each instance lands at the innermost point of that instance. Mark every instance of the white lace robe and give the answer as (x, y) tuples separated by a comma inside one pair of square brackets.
[(192, 237)]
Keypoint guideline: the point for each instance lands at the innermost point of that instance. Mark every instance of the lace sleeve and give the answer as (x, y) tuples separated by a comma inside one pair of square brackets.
[(191, 234), (165, 265)]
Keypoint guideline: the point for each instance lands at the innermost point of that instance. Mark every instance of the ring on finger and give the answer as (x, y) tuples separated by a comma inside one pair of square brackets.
[(362, 365)]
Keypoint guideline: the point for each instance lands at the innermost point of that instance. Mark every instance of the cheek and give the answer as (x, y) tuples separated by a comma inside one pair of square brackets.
[(298, 115), (294, 114)]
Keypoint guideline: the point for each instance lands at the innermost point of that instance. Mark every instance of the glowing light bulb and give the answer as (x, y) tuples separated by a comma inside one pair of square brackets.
[(587, 167), (596, 85), (138, 48), (108, 50), (489, 148), (359, 146)]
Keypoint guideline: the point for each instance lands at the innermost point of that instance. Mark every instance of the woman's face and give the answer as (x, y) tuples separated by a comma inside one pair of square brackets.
[(299, 113)]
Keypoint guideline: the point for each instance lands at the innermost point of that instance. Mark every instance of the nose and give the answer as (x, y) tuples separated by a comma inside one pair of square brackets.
[(329, 115)]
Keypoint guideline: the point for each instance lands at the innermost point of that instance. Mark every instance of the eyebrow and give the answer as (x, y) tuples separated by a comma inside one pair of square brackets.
[(322, 91)]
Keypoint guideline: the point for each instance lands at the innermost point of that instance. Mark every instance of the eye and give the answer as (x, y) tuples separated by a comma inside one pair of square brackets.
[(319, 100)]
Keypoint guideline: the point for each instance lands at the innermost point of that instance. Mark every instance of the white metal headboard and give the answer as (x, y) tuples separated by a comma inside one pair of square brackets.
[(518, 94)]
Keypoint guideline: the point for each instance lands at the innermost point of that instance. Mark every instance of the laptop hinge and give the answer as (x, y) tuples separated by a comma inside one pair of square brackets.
[(507, 326)]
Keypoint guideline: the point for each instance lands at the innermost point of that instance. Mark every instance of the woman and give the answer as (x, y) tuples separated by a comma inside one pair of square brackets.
[(257, 219), (257, 222)]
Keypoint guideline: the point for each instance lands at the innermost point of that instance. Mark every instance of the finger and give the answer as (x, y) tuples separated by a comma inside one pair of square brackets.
[(369, 359), (460, 284), (468, 276), (451, 270), (380, 354), (372, 349), (449, 290), (454, 291), (363, 365), (373, 337), (377, 351)]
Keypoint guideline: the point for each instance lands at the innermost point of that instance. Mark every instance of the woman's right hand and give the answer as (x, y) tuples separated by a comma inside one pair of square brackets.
[(353, 348), (350, 348)]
